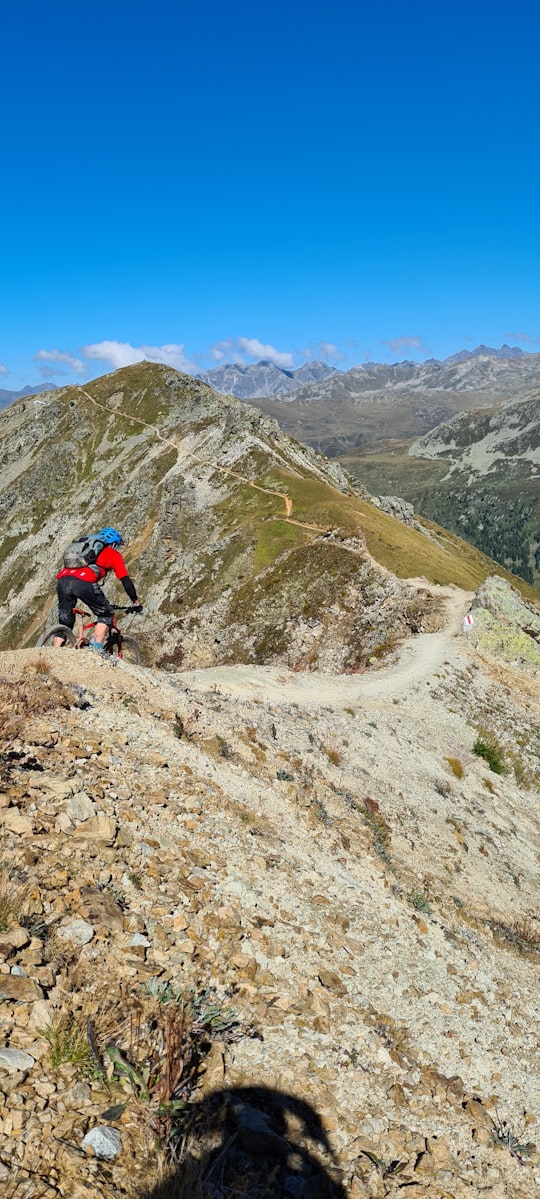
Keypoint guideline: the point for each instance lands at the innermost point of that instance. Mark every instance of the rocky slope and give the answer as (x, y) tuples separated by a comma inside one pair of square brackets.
[(245, 545), (302, 908), (8, 397), (488, 490)]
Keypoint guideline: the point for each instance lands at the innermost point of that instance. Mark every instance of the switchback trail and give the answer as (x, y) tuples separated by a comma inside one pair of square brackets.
[(419, 659)]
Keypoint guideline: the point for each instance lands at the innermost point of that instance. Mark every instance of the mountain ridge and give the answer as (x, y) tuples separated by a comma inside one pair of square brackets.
[(264, 378), (230, 526)]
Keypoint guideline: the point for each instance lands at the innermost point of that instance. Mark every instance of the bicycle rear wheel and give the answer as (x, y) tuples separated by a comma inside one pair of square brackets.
[(57, 630), (129, 651)]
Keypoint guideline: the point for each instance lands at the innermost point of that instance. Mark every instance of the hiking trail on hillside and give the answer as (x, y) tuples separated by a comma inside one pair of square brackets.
[(418, 659), (226, 470)]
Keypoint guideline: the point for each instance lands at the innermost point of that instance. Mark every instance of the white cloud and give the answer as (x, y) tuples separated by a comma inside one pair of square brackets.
[(242, 348), (62, 357), (226, 350), (323, 351), (399, 344), (3, 369), (121, 353), (523, 337), (255, 349)]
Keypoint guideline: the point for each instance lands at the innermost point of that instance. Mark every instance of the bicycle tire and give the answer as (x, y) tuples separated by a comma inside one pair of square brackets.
[(57, 630), (130, 651)]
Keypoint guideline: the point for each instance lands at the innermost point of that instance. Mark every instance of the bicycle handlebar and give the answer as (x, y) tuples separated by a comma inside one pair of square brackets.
[(136, 608)]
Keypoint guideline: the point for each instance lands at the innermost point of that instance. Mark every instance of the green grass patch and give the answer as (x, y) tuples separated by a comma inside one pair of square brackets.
[(68, 1044), (441, 558), (487, 747), (273, 537)]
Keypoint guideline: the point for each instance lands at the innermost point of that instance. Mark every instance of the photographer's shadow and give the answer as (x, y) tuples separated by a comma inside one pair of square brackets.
[(256, 1143)]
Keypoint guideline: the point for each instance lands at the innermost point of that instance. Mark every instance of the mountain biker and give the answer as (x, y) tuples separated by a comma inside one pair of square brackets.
[(82, 583)]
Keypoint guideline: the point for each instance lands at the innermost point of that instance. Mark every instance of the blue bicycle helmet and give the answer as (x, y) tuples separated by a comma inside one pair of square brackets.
[(110, 536)]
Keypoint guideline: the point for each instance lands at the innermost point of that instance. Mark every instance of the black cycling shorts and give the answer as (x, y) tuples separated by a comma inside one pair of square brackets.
[(70, 589)]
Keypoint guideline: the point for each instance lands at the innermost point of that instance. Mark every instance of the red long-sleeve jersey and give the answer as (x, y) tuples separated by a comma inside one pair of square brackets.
[(108, 559)]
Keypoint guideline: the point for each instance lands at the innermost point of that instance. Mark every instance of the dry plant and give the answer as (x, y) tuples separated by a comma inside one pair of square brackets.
[(455, 766), (157, 1058), (333, 753), (32, 696), (394, 1036), (523, 933), (68, 1042), (41, 665), (13, 895)]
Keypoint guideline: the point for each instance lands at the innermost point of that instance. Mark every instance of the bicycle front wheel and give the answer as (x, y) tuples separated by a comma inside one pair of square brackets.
[(128, 650), (57, 630)]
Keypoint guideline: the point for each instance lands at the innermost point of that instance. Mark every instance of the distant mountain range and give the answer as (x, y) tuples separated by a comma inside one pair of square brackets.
[(262, 378), (488, 352), (488, 374), (468, 370), (8, 397), (482, 369)]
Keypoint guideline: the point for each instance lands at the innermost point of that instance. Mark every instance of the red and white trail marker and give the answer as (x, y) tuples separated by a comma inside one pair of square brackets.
[(468, 621)]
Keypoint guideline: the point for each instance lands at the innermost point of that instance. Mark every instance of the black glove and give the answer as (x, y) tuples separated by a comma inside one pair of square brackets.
[(137, 608)]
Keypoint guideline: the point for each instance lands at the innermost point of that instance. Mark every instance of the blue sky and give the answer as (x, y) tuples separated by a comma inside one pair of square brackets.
[(211, 182)]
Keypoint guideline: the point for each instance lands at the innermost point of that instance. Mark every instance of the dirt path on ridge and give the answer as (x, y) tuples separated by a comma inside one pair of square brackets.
[(226, 470), (419, 659)]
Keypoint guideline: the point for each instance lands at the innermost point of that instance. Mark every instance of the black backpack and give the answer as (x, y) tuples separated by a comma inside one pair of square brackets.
[(83, 552)]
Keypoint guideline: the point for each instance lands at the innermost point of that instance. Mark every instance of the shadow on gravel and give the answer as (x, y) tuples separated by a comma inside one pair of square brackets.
[(253, 1143)]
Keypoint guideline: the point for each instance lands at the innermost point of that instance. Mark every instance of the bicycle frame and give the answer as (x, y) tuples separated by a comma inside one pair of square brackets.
[(83, 639)]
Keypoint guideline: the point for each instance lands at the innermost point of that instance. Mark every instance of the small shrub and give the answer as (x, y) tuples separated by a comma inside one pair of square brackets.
[(320, 813), (41, 666), (68, 1043), (395, 1036), (379, 829), (523, 776), (455, 766), (486, 746), (159, 1066), (502, 1134), (186, 727), (225, 749), (333, 753), (524, 934), (12, 897), (420, 902)]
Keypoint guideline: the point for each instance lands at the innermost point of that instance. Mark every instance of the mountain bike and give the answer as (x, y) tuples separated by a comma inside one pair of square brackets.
[(115, 644)]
